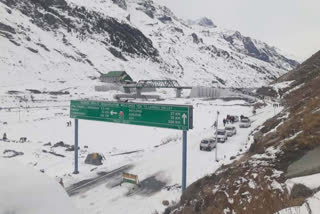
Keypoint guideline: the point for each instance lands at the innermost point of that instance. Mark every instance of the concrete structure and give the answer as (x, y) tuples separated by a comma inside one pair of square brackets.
[(142, 84), (136, 96)]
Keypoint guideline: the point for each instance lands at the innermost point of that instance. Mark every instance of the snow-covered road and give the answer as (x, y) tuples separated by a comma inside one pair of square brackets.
[(157, 160)]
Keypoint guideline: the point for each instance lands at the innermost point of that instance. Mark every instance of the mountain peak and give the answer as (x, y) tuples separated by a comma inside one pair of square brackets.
[(154, 37), (204, 22)]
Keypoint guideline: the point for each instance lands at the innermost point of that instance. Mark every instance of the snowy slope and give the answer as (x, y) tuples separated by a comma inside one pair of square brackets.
[(155, 158), (69, 42), (27, 191)]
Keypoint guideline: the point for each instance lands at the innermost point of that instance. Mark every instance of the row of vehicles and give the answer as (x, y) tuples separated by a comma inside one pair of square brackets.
[(222, 136), (224, 133)]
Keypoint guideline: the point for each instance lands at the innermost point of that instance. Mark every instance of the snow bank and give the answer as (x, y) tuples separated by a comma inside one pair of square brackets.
[(312, 205), (293, 89), (25, 191), (282, 85), (310, 181)]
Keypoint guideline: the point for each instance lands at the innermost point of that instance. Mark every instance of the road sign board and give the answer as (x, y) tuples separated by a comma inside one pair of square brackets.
[(156, 115), (129, 178)]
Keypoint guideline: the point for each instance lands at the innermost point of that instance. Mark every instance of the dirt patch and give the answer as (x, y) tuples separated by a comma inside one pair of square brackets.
[(148, 186), (9, 153), (69, 148), (34, 91), (127, 153), (53, 153), (270, 124)]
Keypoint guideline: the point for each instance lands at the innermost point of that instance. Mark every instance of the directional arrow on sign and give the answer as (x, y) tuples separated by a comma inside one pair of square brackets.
[(184, 117), (113, 112)]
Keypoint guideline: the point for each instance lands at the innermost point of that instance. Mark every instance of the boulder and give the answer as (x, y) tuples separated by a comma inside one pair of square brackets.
[(121, 3), (60, 144), (94, 159), (196, 39), (165, 203), (164, 19), (205, 22), (300, 191), (71, 148), (47, 144)]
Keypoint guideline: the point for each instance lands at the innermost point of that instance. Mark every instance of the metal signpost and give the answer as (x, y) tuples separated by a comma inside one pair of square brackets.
[(178, 117)]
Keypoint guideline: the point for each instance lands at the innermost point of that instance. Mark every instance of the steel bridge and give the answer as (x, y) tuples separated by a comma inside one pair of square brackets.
[(156, 84)]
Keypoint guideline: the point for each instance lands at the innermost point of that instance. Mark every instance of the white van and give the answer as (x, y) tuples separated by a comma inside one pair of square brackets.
[(208, 144), (245, 123), (222, 135), (231, 130)]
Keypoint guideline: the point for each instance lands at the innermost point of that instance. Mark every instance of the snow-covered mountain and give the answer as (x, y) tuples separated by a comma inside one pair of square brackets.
[(69, 42), (204, 21)]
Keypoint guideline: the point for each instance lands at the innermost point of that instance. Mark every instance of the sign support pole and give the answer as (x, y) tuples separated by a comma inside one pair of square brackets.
[(216, 150), (76, 147), (184, 160)]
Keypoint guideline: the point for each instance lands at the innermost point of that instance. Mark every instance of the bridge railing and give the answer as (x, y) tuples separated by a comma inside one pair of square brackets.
[(157, 84)]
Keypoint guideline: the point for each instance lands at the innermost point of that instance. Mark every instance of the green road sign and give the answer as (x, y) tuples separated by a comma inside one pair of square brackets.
[(156, 115)]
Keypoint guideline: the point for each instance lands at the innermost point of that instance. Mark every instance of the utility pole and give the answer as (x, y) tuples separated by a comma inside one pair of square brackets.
[(184, 160), (19, 109), (216, 150), (76, 137), (26, 102)]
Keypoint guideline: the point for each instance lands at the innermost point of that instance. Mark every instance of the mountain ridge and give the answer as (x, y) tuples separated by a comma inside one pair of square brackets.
[(144, 38), (283, 148)]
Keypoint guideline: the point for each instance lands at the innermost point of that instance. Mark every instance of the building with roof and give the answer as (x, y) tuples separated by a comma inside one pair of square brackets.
[(116, 77)]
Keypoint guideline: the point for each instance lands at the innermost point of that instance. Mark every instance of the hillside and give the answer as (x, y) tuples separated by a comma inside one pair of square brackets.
[(53, 51), (281, 169), (305, 72), (70, 42)]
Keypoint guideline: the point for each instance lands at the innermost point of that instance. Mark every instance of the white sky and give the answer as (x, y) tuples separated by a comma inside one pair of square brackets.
[(291, 25)]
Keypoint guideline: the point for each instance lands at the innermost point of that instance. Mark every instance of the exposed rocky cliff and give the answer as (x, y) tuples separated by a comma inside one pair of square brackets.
[(286, 146)]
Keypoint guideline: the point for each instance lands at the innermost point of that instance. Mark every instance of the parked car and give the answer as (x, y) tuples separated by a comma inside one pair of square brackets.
[(222, 135), (245, 123), (231, 130), (208, 144), (244, 119), (236, 118)]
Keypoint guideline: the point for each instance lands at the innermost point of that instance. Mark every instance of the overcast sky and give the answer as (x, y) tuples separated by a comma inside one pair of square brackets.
[(291, 25)]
